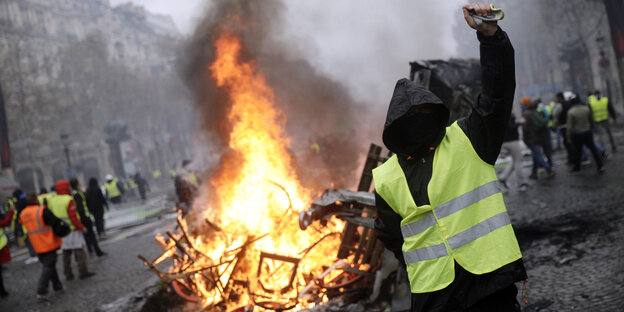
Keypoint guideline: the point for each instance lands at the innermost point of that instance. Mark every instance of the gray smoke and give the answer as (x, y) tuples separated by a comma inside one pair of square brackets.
[(319, 110)]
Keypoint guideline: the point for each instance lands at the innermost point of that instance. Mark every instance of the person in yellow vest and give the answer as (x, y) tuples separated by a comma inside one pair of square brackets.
[(19, 230), (43, 196), (114, 189), (440, 209), (38, 221), (64, 207), (85, 218), (5, 253), (131, 186), (186, 184), (188, 175), (601, 111)]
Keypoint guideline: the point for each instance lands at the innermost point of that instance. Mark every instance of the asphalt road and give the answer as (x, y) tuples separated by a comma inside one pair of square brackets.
[(570, 228)]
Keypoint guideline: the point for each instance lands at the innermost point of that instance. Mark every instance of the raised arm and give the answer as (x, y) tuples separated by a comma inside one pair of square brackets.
[(485, 127)]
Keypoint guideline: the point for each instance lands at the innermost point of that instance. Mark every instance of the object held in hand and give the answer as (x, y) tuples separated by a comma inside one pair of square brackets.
[(496, 15)]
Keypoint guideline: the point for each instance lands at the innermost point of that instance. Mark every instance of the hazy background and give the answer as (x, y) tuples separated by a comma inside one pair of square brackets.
[(365, 44)]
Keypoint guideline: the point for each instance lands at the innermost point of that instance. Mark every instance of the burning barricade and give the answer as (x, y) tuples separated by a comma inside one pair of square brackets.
[(341, 262), (241, 245)]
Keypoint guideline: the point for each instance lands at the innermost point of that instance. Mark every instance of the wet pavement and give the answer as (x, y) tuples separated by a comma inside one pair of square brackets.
[(571, 233), (570, 229), (130, 230)]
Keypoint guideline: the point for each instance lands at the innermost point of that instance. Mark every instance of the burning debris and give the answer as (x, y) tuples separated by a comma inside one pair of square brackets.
[(246, 276), (242, 246)]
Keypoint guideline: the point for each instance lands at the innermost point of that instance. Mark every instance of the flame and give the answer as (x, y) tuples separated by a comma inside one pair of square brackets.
[(253, 200)]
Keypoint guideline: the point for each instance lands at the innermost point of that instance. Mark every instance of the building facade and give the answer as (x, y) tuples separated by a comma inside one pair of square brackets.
[(70, 69)]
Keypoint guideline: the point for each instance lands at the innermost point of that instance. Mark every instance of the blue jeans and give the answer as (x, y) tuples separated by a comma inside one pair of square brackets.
[(538, 159)]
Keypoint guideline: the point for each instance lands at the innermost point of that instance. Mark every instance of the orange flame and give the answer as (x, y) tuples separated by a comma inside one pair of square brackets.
[(255, 195)]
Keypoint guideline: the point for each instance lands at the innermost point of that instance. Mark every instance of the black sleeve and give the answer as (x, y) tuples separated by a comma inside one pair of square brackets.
[(611, 111), (80, 207), (103, 198), (485, 127), (388, 228), (121, 187), (48, 217)]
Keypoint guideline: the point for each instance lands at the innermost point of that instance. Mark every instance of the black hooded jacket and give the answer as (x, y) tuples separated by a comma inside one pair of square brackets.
[(485, 127)]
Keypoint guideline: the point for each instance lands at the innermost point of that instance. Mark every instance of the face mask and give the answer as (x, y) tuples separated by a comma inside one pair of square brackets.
[(419, 132)]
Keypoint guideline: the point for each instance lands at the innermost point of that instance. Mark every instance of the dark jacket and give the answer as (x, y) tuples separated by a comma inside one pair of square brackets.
[(511, 132), (562, 118), (485, 128), (535, 126), (96, 200), (80, 208)]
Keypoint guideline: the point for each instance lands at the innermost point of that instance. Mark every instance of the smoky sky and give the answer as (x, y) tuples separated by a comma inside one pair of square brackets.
[(366, 44)]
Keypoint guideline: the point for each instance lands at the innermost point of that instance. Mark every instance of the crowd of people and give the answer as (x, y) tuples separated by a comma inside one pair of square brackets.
[(580, 125), (70, 218), (62, 219)]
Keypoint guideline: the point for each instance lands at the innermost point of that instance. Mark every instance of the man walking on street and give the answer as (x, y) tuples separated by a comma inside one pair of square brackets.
[(534, 131), (601, 111), (579, 133), (63, 206), (114, 189), (513, 146), (96, 203), (440, 209), (38, 221)]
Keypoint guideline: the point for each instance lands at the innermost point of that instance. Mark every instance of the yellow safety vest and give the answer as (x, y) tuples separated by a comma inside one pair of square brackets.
[(156, 174), (190, 177), (43, 198), (14, 222), (3, 238), (112, 189), (58, 204), (599, 108), (549, 109), (466, 220), (84, 203), (131, 183)]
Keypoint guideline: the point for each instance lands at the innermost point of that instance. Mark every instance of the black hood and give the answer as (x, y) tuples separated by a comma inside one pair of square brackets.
[(408, 94)]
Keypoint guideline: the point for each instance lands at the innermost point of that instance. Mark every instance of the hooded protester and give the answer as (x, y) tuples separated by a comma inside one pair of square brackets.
[(64, 207), (443, 178)]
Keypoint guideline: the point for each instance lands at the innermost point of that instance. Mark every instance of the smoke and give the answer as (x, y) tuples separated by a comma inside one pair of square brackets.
[(328, 128)]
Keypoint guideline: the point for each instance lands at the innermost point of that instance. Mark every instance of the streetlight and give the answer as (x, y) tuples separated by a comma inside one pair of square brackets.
[(65, 141)]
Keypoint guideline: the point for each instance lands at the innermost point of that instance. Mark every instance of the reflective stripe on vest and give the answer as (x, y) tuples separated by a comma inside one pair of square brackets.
[(59, 204), (599, 108), (466, 217), (40, 235), (40, 227), (112, 189)]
